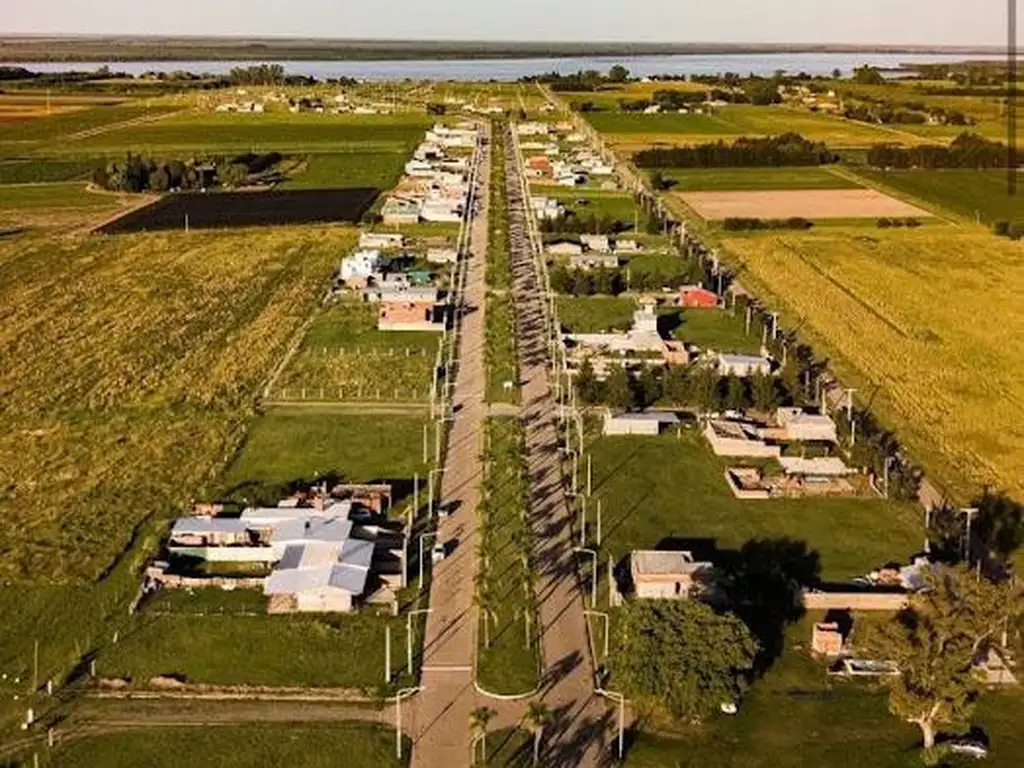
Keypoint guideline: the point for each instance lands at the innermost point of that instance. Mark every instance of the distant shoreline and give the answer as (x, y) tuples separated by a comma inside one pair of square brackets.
[(26, 49)]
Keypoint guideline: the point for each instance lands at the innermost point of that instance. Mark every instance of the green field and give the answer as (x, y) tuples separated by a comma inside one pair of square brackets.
[(208, 132), (45, 170), (285, 445), (360, 745), (727, 179), (344, 357), (980, 195), (71, 194), (658, 488), (585, 203), (595, 314), (715, 329), (349, 169), (690, 124), (843, 724), (71, 123)]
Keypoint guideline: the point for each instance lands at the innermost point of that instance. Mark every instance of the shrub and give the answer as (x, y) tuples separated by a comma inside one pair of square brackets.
[(1001, 228), (884, 223)]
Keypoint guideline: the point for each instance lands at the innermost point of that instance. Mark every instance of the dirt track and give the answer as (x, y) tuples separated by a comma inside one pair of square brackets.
[(808, 204)]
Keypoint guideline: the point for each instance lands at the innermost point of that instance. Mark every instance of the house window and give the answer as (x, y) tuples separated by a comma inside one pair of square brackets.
[(679, 588)]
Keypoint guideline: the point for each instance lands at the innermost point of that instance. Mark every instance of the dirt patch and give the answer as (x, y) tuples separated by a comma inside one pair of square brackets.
[(808, 204)]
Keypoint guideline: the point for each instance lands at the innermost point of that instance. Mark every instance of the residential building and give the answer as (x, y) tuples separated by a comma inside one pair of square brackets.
[(697, 297), (796, 425), (564, 248), (743, 365), (644, 423), (409, 315), (383, 241), (398, 210), (738, 438), (670, 575), (627, 246), (599, 243), (357, 269), (442, 256)]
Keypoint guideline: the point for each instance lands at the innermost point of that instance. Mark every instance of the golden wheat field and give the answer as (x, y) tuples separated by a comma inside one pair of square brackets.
[(130, 365), (929, 326)]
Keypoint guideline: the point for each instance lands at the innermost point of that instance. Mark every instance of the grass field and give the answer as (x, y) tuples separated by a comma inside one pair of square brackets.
[(504, 663), (34, 171), (289, 444), (500, 350), (585, 203), (71, 194), (654, 489), (595, 314), (236, 746), (727, 179), (973, 194), (209, 132), (345, 357), (349, 169), (843, 724), (715, 329), (71, 123), (141, 357), (926, 325)]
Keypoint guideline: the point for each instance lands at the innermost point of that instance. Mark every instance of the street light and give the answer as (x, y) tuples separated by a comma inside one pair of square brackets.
[(408, 634), (593, 580), (621, 699), (398, 717), (422, 537), (430, 491)]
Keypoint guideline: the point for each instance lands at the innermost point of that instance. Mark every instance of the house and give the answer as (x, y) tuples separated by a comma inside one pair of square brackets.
[(399, 210), (601, 169), (572, 179), (419, 169), (357, 269), (797, 425), (599, 243), (827, 639), (645, 423), (738, 438), (383, 241), (564, 248), (442, 256), (546, 208), (408, 315), (627, 246), (697, 297), (670, 575), (589, 261), (532, 129), (441, 211), (743, 365), (320, 577), (397, 288)]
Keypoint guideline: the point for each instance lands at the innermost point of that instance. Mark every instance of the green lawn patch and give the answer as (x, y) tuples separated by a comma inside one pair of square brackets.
[(658, 488), (753, 179), (46, 170), (669, 122), (380, 170), (68, 123), (970, 193), (586, 203), (237, 746), (715, 329), (594, 314), (62, 195), (500, 350)]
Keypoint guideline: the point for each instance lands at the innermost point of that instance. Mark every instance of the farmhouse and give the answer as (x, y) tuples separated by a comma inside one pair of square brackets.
[(641, 344), (743, 365), (599, 243), (645, 423), (589, 261), (546, 208), (399, 210), (697, 297), (796, 425), (670, 575)]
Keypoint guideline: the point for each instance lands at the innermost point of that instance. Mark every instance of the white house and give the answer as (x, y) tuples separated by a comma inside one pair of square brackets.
[(645, 423), (360, 266), (599, 243), (743, 365), (564, 248), (797, 425)]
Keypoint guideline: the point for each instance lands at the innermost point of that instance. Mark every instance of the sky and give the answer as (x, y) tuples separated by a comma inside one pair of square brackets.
[(934, 22)]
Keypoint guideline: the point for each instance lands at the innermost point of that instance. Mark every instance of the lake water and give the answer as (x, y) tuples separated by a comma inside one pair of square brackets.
[(514, 69)]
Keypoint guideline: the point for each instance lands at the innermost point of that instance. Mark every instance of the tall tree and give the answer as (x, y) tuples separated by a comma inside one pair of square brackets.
[(538, 717), (587, 385), (619, 389), (934, 642), (735, 393), (478, 721), (763, 390), (680, 658)]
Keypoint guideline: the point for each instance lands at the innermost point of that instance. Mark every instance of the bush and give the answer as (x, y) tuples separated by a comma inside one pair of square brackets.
[(740, 224), (1001, 228), (912, 223), (884, 223)]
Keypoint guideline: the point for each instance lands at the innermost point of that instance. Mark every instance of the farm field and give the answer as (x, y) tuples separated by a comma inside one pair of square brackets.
[(345, 357), (849, 724), (138, 370), (638, 480), (71, 194), (729, 179), (380, 170), (22, 134), (211, 132), (236, 746), (804, 203), (36, 170), (926, 325), (594, 314), (286, 445), (969, 193), (247, 209)]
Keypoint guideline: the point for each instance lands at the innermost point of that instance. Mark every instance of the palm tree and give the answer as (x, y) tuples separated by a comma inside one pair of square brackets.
[(478, 720), (538, 716)]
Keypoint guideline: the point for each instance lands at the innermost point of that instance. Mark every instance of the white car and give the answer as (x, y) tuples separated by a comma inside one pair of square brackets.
[(968, 747), (438, 553)]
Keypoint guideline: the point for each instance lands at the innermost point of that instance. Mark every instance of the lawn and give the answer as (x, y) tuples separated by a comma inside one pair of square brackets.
[(46, 170), (70, 123), (380, 170), (980, 195), (795, 716), (72, 194), (504, 663), (207, 132), (727, 179), (594, 314), (926, 325), (236, 746), (500, 350), (657, 489), (585, 203), (715, 329), (662, 123), (345, 357), (287, 444)]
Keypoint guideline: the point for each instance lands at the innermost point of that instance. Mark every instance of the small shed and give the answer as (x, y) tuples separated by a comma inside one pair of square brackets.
[(669, 575), (645, 423), (827, 639)]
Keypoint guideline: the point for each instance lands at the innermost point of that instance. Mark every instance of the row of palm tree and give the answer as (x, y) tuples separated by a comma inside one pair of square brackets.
[(538, 716)]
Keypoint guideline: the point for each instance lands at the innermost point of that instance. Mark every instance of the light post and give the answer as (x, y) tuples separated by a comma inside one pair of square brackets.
[(398, 717), (422, 537), (408, 634), (593, 580), (607, 627), (970, 512), (431, 487), (621, 700)]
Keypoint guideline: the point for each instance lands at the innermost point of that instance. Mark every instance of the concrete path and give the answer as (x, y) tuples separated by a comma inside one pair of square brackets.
[(440, 715), (577, 735)]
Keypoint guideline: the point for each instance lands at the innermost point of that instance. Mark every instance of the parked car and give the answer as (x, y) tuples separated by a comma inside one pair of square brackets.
[(438, 552), (446, 509), (969, 747)]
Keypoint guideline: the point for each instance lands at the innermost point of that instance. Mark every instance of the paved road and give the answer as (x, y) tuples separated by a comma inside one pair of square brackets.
[(581, 720), (440, 715)]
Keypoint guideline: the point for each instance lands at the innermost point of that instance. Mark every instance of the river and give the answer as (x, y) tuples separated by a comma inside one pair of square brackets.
[(514, 69)]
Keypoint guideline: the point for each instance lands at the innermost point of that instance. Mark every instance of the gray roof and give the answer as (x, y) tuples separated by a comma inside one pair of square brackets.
[(185, 526), (357, 552), (351, 578), (291, 558), (737, 359), (662, 417)]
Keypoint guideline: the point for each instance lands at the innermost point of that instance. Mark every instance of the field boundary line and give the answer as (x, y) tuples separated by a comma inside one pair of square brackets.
[(938, 211)]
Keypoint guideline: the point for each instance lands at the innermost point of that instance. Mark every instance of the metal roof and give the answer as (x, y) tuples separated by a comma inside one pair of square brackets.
[(185, 526), (659, 563), (662, 417)]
